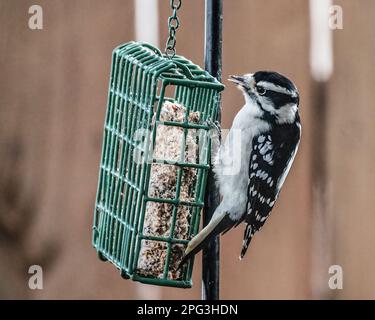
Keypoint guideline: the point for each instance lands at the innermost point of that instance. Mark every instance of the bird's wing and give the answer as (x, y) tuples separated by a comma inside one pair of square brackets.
[(263, 176), (270, 160)]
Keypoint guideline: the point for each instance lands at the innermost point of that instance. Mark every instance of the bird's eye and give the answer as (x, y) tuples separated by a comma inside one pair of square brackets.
[(261, 91)]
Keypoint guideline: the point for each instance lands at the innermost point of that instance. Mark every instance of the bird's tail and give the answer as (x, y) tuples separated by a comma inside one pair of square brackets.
[(248, 235), (219, 223)]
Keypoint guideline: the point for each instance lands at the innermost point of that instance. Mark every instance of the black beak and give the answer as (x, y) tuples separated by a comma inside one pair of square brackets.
[(239, 80)]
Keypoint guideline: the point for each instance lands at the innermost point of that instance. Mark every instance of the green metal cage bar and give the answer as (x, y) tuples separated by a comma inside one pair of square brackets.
[(140, 79)]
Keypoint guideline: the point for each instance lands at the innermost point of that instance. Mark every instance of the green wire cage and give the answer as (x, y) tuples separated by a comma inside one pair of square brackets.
[(154, 164)]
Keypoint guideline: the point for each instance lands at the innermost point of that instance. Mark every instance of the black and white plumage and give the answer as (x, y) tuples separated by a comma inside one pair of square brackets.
[(270, 161), (256, 157)]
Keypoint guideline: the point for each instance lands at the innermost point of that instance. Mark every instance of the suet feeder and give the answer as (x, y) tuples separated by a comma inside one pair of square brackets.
[(154, 164)]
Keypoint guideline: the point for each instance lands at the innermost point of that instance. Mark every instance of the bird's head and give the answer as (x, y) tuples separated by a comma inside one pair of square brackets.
[(273, 94)]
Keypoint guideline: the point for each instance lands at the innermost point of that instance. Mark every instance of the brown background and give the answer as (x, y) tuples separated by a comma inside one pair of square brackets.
[(53, 90)]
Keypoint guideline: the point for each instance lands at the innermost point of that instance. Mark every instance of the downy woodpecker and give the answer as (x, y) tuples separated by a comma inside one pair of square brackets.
[(256, 157)]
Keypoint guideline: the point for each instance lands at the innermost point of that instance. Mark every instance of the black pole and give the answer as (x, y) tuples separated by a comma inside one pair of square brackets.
[(211, 254)]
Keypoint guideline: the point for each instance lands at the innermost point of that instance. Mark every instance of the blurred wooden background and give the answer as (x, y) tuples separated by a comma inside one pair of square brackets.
[(53, 91)]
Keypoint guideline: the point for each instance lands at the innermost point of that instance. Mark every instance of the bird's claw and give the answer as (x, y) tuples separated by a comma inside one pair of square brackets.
[(215, 125)]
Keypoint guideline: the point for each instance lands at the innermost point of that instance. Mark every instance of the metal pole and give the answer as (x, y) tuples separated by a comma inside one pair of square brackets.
[(211, 254)]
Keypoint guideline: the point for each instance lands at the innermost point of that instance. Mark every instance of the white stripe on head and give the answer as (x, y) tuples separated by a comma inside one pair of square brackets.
[(287, 113), (273, 87)]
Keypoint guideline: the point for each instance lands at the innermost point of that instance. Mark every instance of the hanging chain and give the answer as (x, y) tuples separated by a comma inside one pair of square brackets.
[(173, 24)]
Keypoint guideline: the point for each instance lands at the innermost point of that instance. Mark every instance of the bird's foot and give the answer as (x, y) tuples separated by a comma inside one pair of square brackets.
[(215, 126)]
